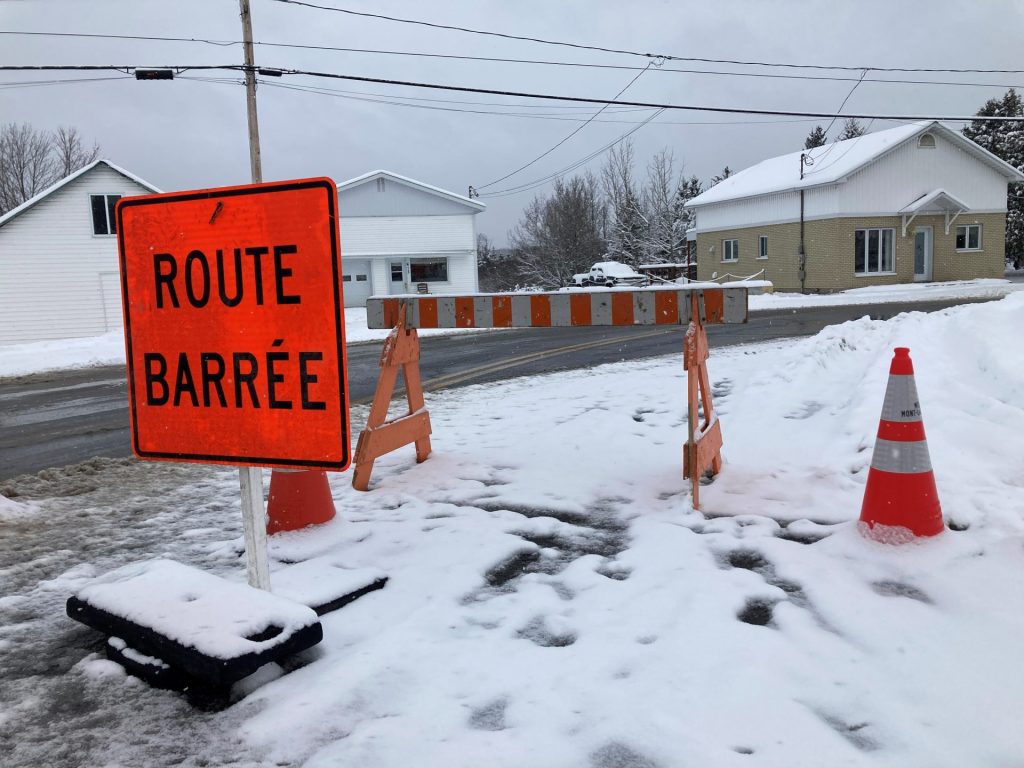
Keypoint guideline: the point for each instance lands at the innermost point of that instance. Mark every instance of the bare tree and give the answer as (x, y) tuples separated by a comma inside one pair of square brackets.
[(70, 152), (32, 160), (627, 221), (663, 235), (561, 235)]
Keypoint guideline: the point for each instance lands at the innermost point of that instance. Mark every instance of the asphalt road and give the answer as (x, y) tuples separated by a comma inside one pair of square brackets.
[(60, 418)]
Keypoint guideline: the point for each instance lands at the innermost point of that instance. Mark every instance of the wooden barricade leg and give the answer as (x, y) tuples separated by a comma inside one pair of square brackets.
[(703, 450), (401, 351)]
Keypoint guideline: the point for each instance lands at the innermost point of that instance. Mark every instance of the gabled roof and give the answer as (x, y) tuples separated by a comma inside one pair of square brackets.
[(936, 200), (15, 212), (442, 193), (834, 163)]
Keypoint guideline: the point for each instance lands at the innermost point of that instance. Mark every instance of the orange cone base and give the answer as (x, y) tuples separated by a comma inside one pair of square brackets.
[(297, 500), (898, 507)]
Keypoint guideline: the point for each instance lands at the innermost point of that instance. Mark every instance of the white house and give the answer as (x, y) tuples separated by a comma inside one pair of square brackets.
[(917, 202), (402, 236), (58, 257)]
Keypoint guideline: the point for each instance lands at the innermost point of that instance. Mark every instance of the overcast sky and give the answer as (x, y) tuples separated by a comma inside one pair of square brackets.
[(191, 133)]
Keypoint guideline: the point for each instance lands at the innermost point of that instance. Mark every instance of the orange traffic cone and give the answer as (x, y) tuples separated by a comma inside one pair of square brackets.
[(900, 500), (298, 498)]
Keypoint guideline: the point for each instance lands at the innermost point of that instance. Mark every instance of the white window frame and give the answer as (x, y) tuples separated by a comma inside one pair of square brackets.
[(867, 272), (730, 250), (967, 238), (111, 219), (762, 247)]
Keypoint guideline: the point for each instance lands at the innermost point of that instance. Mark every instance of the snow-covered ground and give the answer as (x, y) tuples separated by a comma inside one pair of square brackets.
[(37, 357), (895, 294), (556, 601)]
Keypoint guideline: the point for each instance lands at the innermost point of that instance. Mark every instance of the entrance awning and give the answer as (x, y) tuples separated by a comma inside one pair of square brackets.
[(936, 201)]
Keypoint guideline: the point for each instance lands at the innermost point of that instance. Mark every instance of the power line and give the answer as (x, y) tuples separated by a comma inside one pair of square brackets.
[(369, 97), (663, 56), (543, 62), (582, 161), (515, 94), (573, 133)]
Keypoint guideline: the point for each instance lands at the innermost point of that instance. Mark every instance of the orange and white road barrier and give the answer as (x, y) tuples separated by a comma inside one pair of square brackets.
[(900, 500), (692, 305), (650, 306), (298, 498)]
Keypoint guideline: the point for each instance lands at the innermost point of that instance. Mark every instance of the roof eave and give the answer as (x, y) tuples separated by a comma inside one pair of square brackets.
[(12, 214), (412, 183)]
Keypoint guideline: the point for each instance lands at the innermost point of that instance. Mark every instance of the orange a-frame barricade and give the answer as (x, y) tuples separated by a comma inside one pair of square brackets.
[(692, 305), (401, 352)]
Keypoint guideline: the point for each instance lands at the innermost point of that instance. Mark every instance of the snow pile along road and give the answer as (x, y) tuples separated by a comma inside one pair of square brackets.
[(554, 600)]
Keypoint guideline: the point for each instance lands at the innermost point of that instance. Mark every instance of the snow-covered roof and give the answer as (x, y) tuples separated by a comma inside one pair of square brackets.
[(15, 212), (833, 163), (342, 186), (936, 200)]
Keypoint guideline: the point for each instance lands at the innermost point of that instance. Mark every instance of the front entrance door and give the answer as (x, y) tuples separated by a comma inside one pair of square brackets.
[(398, 276), (922, 254)]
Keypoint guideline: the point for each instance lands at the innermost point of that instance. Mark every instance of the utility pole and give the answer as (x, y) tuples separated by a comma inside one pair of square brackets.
[(251, 478), (250, 94)]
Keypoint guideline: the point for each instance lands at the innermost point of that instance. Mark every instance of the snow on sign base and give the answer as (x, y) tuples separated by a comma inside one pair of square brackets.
[(233, 325), (325, 584), (211, 629)]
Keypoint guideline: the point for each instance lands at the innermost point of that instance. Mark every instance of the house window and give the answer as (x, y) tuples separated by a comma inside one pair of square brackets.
[(103, 221), (346, 278), (396, 272), (730, 250), (926, 141), (968, 237), (361, 278), (428, 270), (873, 251), (762, 247)]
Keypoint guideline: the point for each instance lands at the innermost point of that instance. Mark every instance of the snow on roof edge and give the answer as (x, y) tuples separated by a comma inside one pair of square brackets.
[(884, 145), (411, 182), (17, 211)]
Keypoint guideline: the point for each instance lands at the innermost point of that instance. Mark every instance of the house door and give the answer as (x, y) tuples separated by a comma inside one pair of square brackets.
[(922, 254), (398, 276), (356, 282)]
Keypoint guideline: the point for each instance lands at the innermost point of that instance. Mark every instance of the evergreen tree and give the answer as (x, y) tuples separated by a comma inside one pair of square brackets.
[(685, 218), (851, 129), (1005, 140), (725, 174), (815, 138)]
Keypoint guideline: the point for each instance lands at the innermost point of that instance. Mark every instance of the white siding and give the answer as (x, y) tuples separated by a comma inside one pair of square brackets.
[(397, 199), (378, 235), (385, 238), (768, 209), (908, 172), (51, 264)]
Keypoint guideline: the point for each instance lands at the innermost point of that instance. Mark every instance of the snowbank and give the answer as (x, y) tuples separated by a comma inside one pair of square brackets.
[(987, 288), (13, 511)]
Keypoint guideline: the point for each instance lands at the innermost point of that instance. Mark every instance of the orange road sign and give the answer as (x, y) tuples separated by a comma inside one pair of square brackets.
[(233, 318)]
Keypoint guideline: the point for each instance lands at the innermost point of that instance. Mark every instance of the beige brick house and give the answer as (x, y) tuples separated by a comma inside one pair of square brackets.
[(915, 203)]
